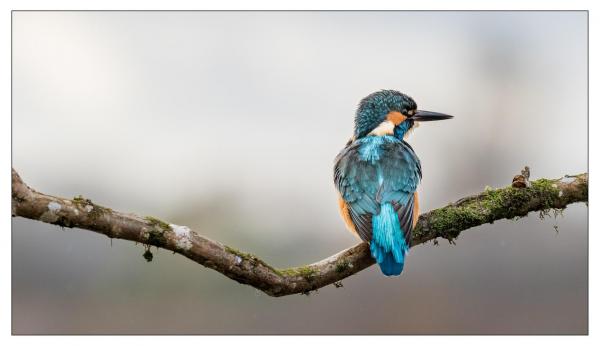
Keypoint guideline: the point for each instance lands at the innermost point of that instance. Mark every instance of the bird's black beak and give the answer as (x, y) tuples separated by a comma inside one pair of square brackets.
[(430, 116)]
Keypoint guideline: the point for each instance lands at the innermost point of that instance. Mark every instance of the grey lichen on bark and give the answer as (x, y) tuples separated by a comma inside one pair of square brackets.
[(541, 195)]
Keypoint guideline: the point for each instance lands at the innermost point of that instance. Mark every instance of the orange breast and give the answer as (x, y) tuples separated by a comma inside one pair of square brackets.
[(416, 209), (345, 212)]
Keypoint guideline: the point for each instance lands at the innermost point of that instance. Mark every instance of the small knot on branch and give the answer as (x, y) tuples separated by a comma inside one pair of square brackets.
[(522, 180)]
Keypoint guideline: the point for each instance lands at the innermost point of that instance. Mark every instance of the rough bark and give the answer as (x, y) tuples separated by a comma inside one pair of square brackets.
[(448, 222)]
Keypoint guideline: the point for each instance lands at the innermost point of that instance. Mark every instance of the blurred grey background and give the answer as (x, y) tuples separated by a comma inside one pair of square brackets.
[(228, 122)]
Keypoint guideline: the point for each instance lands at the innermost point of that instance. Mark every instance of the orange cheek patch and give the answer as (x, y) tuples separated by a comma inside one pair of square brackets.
[(396, 117)]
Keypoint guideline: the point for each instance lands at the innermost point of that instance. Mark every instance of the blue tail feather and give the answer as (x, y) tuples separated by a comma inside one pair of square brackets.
[(390, 267), (388, 246)]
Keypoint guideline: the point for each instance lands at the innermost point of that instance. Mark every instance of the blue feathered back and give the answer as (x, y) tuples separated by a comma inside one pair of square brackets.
[(377, 177)]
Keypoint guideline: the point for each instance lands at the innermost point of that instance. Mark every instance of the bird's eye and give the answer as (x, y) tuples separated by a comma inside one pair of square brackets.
[(411, 112)]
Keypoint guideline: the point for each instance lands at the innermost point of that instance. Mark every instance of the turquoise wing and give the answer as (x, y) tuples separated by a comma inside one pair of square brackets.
[(372, 171)]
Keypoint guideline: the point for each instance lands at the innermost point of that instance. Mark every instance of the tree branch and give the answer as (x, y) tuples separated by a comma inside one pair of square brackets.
[(447, 222)]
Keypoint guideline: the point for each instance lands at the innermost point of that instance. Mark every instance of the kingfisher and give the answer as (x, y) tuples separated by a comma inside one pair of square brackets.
[(377, 173)]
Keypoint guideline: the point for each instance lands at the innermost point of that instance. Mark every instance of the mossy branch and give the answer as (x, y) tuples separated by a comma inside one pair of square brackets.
[(448, 222)]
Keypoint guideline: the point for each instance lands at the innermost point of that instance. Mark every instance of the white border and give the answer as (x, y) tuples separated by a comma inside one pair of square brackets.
[(5, 28)]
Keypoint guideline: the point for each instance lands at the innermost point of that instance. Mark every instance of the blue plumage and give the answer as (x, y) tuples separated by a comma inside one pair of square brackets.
[(377, 175), (388, 245)]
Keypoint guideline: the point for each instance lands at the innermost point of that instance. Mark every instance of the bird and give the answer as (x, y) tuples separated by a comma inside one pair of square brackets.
[(377, 173)]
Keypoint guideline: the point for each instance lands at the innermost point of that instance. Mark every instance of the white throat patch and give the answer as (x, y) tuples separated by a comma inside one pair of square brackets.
[(384, 129)]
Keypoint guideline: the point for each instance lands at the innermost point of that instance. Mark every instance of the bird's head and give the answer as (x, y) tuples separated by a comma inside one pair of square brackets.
[(390, 112)]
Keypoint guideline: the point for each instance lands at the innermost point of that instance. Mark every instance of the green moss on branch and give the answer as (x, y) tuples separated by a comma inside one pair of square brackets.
[(250, 258), (493, 204), (543, 195), (156, 234)]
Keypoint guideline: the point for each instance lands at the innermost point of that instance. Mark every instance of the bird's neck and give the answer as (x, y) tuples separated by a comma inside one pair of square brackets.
[(402, 130), (388, 128)]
